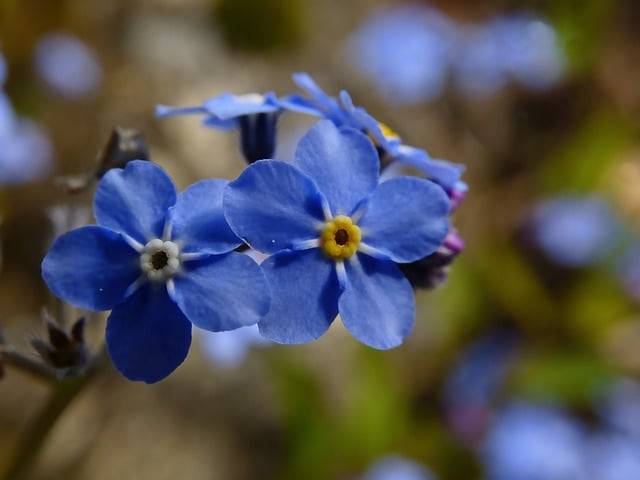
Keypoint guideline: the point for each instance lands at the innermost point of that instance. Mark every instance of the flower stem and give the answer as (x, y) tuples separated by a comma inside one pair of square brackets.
[(62, 395)]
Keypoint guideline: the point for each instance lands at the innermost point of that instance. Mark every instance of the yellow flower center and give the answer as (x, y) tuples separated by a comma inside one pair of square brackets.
[(340, 238), (387, 132)]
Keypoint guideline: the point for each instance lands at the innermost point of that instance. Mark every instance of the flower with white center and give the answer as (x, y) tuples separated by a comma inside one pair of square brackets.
[(161, 262)]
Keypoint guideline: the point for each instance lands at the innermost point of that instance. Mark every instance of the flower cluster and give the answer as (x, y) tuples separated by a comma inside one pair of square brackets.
[(333, 229)]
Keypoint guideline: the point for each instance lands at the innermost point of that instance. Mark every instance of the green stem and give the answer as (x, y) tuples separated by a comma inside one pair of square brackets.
[(62, 395)]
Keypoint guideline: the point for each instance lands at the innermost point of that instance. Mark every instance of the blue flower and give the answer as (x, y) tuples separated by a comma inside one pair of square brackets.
[(254, 114), (574, 231), (406, 51), (160, 262), (343, 113), (26, 154), (613, 457), (534, 442), (229, 349), (336, 234), (67, 65), (395, 467), (518, 47)]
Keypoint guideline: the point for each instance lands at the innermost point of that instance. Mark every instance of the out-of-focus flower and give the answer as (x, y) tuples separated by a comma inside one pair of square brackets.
[(621, 408), (336, 235), (530, 442), (67, 65), (3, 70), (574, 231), (613, 457), (473, 385), (518, 47), (395, 467), (406, 51), (26, 154), (229, 349), (160, 262), (629, 272), (254, 114), (343, 113)]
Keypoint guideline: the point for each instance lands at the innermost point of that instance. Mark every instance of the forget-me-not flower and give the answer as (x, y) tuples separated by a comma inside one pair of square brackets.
[(160, 261), (395, 467), (534, 442), (336, 234), (574, 231), (343, 113), (406, 52), (67, 65), (254, 114)]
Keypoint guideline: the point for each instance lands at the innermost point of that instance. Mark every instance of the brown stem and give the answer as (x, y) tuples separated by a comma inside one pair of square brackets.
[(62, 395)]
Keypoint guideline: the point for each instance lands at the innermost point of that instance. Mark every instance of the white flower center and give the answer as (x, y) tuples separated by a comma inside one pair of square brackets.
[(160, 260)]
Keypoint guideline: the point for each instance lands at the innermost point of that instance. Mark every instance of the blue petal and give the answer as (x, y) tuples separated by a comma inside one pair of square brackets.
[(406, 218), (91, 267), (135, 200), (273, 206), (343, 163), (308, 84), (223, 292), (148, 337), (298, 103), (228, 105), (445, 173), (304, 302), (377, 305), (198, 221)]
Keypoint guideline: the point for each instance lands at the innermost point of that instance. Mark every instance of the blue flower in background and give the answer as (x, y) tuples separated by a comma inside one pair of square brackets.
[(613, 457), (254, 114), (336, 235), (629, 272), (229, 349), (26, 154), (621, 408), (67, 65), (519, 47), (4, 70), (574, 231), (475, 382), (531, 442), (343, 113), (160, 261), (394, 467), (406, 51), (530, 52)]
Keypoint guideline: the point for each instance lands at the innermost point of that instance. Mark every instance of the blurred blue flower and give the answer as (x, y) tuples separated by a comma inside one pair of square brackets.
[(406, 51), (530, 50), (519, 47), (343, 113), (254, 114), (229, 349), (629, 272), (475, 381), (26, 154), (613, 457), (531, 442), (395, 467), (574, 231), (621, 408), (67, 65), (161, 262), (336, 235), (4, 70)]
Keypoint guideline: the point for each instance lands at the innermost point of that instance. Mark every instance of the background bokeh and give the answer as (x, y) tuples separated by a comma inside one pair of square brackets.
[(522, 365)]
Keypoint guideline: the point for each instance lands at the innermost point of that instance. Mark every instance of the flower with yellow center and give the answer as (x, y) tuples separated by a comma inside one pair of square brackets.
[(340, 238)]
